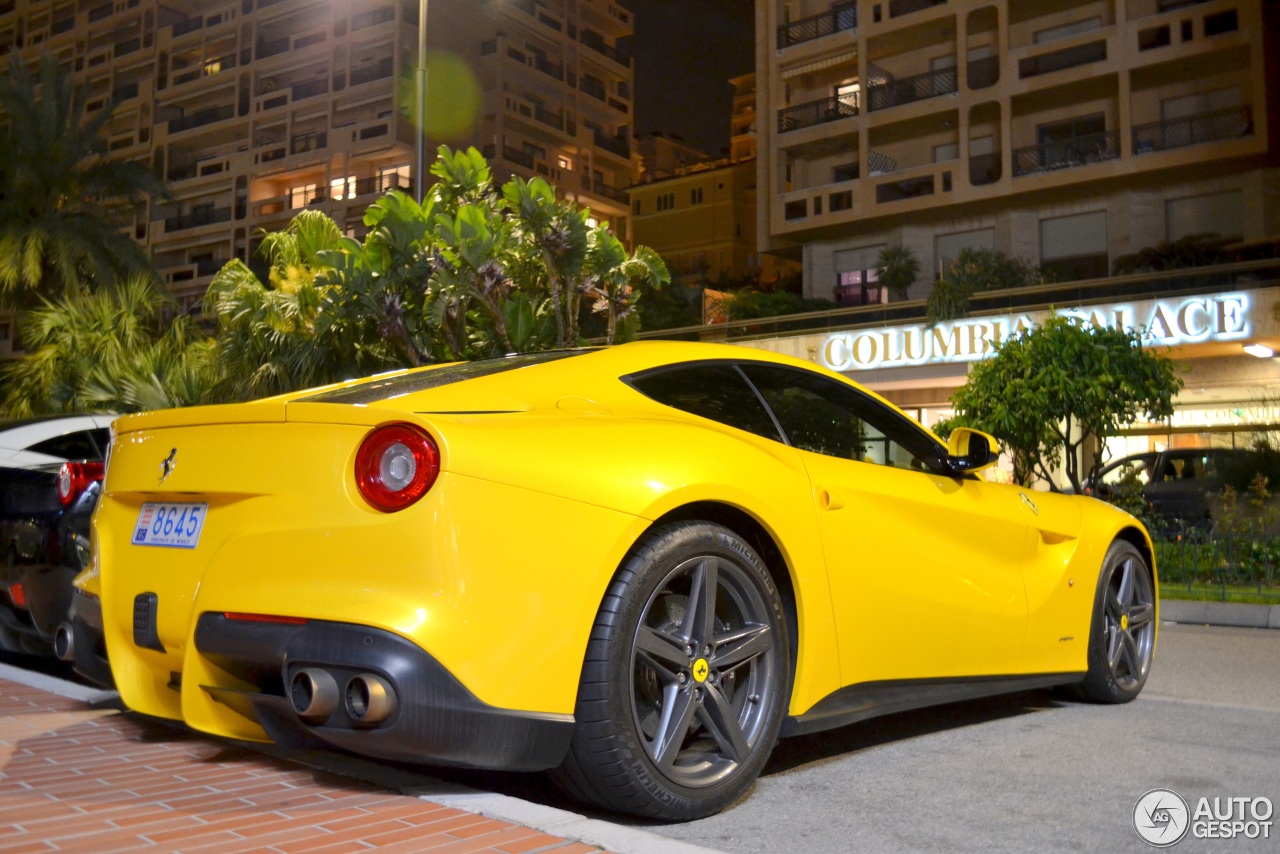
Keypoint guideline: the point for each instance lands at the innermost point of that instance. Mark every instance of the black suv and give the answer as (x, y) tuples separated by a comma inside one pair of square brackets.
[(1176, 482)]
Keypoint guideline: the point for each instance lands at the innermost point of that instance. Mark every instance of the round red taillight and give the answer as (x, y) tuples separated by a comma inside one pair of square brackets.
[(396, 465), (74, 478)]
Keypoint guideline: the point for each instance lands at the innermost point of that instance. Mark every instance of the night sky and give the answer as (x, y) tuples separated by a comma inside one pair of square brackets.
[(685, 52)]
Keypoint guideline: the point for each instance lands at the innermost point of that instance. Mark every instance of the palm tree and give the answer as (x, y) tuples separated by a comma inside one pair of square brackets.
[(121, 350), (63, 201)]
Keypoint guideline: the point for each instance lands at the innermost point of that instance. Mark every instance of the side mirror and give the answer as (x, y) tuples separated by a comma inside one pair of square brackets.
[(971, 450)]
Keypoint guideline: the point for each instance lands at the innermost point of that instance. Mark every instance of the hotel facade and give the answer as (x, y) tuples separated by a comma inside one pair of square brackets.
[(1065, 132)]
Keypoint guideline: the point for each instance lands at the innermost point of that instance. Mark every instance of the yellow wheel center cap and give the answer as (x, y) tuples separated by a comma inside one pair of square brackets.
[(700, 670), (1124, 622)]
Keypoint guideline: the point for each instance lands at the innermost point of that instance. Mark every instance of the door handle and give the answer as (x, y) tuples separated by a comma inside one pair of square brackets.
[(829, 499)]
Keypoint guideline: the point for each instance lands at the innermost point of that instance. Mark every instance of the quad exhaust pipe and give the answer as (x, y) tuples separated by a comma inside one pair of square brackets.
[(64, 642), (369, 699)]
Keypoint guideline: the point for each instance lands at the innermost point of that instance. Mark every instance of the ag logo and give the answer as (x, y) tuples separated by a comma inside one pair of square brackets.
[(168, 464), (700, 670), (1161, 818)]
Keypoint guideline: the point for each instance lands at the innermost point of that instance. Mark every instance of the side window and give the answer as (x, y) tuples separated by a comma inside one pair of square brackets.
[(79, 445), (828, 417), (715, 391), (1141, 466)]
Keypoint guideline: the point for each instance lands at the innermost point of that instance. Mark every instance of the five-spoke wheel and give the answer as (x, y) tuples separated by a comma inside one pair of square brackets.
[(1123, 636), (686, 678)]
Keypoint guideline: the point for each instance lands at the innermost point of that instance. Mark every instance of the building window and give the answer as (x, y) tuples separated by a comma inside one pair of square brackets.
[(635, 207), (564, 162), (666, 201), (695, 196), (856, 280), (343, 188), (1216, 213), (1074, 247), (300, 197), (394, 177), (947, 247)]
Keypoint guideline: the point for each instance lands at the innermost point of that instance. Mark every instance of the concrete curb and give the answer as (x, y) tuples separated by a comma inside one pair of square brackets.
[(1220, 613)]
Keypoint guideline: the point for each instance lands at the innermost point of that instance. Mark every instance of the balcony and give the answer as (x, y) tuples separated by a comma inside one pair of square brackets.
[(1066, 154), (1193, 130), (379, 184), (941, 81), (600, 188), (379, 70), (548, 118), (840, 18), (593, 87), (817, 113), (984, 72), (597, 43), (197, 218), (1058, 60), (618, 145), (202, 118), (511, 155)]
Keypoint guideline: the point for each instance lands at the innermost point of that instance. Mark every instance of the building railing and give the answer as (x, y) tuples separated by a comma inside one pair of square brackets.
[(618, 145), (1067, 153), (197, 218), (309, 89), (548, 118), (600, 188), (597, 43), (1068, 57), (930, 84), (367, 74), (380, 184), (202, 117), (549, 68), (511, 155), (1193, 130), (593, 86), (1249, 275), (841, 17), (817, 113)]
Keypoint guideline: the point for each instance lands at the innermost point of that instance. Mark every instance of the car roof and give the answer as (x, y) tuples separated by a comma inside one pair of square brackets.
[(17, 436)]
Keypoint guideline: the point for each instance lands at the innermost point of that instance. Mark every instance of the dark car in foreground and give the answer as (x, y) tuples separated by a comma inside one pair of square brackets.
[(49, 474)]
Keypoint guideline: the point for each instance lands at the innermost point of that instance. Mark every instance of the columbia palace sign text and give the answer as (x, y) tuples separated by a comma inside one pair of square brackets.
[(1163, 323)]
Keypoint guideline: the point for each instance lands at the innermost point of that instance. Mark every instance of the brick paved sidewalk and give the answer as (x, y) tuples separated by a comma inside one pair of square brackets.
[(76, 778)]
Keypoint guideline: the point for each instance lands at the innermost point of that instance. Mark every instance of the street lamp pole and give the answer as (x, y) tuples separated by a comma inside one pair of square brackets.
[(421, 173)]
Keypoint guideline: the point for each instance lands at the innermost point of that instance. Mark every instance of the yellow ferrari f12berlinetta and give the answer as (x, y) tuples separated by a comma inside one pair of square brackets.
[(638, 566)]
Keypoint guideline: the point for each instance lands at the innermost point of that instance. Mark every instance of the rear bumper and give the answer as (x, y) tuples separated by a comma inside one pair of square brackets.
[(90, 651), (437, 720)]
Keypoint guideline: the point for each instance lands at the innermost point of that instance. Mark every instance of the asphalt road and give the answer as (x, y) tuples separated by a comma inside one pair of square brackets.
[(1027, 772)]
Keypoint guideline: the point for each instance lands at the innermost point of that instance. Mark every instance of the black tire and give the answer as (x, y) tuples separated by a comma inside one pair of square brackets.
[(676, 713), (1122, 634)]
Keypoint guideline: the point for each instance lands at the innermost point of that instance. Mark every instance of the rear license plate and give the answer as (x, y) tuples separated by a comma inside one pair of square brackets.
[(173, 525)]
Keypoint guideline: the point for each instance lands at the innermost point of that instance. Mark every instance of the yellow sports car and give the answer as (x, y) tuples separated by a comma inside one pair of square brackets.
[(637, 565)]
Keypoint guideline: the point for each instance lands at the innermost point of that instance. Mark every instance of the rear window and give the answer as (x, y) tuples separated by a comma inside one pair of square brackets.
[(385, 389)]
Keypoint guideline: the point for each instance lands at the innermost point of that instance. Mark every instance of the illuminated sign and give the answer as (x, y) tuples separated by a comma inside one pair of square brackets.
[(1163, 323)]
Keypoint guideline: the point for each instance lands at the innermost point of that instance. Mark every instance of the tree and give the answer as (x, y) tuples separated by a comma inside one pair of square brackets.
[(63, 201), (975, 270), (897, 269), (1052, 391), (122, 350)]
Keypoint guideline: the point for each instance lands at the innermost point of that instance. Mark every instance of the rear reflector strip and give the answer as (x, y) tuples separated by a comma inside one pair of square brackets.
[(264, 618)]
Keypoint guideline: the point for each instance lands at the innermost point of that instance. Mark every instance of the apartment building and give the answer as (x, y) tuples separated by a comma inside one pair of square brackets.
[(699, 212), (1067, 132), (257, 109)]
